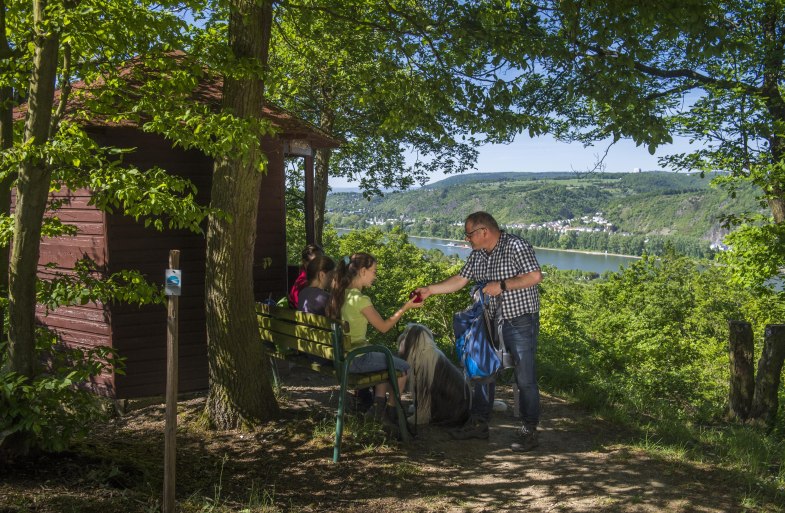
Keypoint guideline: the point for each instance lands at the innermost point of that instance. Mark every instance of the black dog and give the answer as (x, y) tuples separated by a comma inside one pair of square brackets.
[(441, 392)]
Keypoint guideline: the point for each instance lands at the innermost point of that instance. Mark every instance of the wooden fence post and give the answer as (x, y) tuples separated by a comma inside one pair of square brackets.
[(742, 379), (767, 382), (172, 289)]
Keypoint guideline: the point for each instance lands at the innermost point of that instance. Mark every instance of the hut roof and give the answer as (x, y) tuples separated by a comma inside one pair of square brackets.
[(208, 92)]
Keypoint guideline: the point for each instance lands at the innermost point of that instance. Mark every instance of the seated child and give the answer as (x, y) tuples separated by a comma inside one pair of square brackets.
[(313, 298), (347, 302), (310, 251)]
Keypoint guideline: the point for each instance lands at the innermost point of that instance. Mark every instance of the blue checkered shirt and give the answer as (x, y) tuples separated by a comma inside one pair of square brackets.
[(511, 257)]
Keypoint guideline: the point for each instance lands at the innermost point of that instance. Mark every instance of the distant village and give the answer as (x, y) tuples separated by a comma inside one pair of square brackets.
[(588, 223), (595, 223)]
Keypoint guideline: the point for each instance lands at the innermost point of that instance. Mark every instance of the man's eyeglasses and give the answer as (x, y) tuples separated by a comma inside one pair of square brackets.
[(468, 235)]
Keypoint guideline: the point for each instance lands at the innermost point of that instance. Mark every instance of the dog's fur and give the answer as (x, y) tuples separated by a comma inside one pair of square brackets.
[(441, 392)]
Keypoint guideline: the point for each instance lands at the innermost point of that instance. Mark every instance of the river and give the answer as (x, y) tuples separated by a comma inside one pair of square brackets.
[(560, 259)]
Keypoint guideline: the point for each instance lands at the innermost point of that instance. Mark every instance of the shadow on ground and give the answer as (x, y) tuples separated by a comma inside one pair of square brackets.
[(582, 464)]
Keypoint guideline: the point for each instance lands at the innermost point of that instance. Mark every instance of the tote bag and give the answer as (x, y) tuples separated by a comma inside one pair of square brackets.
[(474, 340)]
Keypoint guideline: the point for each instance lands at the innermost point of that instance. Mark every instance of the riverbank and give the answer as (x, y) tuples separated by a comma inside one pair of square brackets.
[(580, 251), (590, 261)]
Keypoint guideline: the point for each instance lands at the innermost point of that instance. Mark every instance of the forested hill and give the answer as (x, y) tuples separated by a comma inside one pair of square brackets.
[(649, 205)]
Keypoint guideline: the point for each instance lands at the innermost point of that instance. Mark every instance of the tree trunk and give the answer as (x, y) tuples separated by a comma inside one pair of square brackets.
[(6, 142), (322, 176), (321, 183), (742, 380), (774, 54), (767, 382), (240, 391), (32, 193)]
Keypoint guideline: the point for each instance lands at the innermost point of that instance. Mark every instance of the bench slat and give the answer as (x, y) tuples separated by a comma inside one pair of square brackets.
[(293, 342), (317, 321), (317, 335)]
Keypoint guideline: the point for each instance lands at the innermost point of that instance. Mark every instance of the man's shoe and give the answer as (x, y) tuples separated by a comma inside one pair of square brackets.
[(475, 427), (527, 439)]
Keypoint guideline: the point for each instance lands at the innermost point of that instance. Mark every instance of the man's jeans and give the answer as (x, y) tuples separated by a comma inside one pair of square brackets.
[(520, 338)]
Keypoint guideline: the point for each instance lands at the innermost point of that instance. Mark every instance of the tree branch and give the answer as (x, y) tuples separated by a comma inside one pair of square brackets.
[(65, 91), (681, 73), (683, 88)]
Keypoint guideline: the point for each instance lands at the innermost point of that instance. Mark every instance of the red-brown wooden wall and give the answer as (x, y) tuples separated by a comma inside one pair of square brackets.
[(118, 242)]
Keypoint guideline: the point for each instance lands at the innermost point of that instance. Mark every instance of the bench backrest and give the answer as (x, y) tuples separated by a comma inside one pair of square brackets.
[(309, 333)]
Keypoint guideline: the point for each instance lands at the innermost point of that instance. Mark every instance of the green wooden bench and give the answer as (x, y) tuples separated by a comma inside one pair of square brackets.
[(299, 337)]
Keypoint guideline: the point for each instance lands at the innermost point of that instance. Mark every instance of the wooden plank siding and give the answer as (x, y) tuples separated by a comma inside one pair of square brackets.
[(139, 334), (79, 326)]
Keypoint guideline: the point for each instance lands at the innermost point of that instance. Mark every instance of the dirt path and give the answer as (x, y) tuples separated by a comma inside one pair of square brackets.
[(582, 464)]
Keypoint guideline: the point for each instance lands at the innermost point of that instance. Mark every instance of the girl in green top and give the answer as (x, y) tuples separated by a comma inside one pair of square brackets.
[(347, 302)]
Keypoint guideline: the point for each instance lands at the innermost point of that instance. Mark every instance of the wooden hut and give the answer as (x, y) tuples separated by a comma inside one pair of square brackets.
[(115, 242)]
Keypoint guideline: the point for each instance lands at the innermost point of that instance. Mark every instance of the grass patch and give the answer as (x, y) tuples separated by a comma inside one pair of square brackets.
[(755, 456), (357, 430)]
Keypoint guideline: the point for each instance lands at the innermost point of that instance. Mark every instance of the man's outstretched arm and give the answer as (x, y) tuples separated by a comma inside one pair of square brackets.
[(451, 284)]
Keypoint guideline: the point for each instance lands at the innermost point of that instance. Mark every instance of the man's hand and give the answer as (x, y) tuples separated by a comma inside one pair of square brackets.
[(493, 288), (424, 292)]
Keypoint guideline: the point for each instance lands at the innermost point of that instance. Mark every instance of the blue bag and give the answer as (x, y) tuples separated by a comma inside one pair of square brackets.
[(474, 340)]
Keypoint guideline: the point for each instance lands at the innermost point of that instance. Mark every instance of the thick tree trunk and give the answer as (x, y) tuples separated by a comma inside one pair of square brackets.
[(767, 382), (6, 142), (322, 176), (742, 380), (32, 192), (240, 390), (774, 55)]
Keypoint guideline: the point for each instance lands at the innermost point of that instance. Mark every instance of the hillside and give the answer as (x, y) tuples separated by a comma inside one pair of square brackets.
[(646, 204)]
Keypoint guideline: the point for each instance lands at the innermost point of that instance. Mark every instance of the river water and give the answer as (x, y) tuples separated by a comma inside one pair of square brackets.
[(560, 259)]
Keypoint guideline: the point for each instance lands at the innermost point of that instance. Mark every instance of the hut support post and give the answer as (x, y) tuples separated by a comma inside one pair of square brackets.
[(309, 202)]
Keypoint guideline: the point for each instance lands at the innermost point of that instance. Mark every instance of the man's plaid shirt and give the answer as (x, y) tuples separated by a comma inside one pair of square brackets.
[(511, 257)]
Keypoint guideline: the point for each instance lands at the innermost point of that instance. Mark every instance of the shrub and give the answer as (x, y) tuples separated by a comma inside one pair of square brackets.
[(55, 407)]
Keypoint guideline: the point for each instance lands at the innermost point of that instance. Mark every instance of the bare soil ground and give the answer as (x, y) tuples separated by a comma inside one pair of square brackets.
[(583, 464)]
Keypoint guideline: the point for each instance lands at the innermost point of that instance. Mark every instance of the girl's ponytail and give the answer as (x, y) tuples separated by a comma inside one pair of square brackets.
[(347, 270)]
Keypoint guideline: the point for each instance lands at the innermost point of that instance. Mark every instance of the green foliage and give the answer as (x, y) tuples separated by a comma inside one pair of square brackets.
[(154, 195), (86, 284), (87, 42), (374, 81), (648, 347), (56, 407), (51, 227), (748, 263), (651, 339)]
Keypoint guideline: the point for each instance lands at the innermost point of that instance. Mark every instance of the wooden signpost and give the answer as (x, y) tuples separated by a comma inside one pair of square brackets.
[(172, 291)]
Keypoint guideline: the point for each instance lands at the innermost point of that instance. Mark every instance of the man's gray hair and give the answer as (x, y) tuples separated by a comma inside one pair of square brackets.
[(483, 218)]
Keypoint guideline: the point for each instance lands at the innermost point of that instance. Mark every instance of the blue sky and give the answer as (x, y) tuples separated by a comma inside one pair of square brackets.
[(545, 154)]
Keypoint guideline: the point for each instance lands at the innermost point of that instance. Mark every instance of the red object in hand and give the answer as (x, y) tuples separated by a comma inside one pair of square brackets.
[(416, 296)]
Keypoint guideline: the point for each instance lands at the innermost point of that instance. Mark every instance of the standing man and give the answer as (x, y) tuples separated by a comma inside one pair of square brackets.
[(509, 269)]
